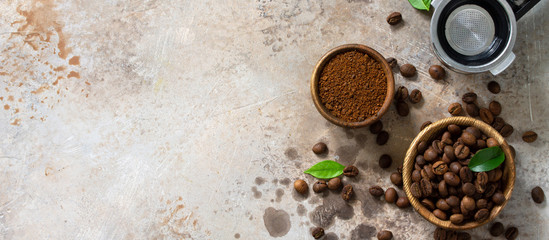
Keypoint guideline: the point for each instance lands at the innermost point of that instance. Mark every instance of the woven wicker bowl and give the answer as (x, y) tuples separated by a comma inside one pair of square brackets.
[(428, 134)]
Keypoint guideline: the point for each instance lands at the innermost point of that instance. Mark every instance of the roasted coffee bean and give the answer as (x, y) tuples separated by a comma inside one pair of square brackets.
[(464, 162), (401, 93), (538, 195), (474, 131), (382, 138), (320, 148), (426, 187), (481, 144), (403, 202), (415, 96), (392, 62), (425, 124), (455, 167), (495, 175), (438, 146), (451, 235), (482, 215), (442, 205), (491, 142), (421, 147), (449, 152), (384, 235), (461, 152), (482, 203), (416, 175), (464, 236), (376, 127), (494, 87), (407, 70), (385, 161), (437, 72), (498, 198), (469, 97), (453, 201), (430, 155), (318, 232), (429, 174), (347, 192), (468, 204), (416, 190), (497, 229), (495, 108), (301, 186), (486, 116), (455, 109), (428, 204), (394, 18), (350, 171), (498, 123), (391, 195), (455, 130), (402, 108), (396, 179), (440, 168), (420, 160), (511, 233), (468, 139), (376, 191), (468, 189), (481, 181), (451, 179), (506, 130), (334, 183), (472, 109), (490, 190), (465, 174), (439, 214), (320, 186), (456, 218), (440, 234), (442, 189), (529, 136)]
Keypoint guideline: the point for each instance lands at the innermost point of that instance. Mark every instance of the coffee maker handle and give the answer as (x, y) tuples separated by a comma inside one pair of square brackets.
[(503, 65), (522, 9)]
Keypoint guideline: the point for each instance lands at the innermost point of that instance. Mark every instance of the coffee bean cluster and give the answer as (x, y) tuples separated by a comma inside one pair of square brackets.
[(443, 234), (497, 229), (443, 182), (401, 95), (390, 196), (382, 136)]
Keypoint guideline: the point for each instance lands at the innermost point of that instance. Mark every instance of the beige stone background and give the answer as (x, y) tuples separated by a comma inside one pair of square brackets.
[(126, 119)]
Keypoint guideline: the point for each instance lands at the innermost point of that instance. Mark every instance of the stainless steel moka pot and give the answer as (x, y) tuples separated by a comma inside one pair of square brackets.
[(472, 36)]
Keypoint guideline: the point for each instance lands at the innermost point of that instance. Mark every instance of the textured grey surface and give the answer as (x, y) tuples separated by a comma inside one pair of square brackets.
[(192, 119)]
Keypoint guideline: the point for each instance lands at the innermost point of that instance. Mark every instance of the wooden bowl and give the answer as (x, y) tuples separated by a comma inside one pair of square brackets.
[(432, 131), (318, 70)]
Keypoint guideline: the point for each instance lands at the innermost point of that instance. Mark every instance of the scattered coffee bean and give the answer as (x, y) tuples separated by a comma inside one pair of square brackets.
[(347, 192), (318, 232), (320, 148), (529, 136), (425, 124), (392, 62), (376, 191), (437, 72), (350, 171), (415, 96), (396, 179), (403, 202), (394, 18), (402, 108), (334, 183), (538, 195), (495, 108), (301, 186), (376, 127), (498, 123), (486, 116), (382, 138), (407, 70), (472, 109), (401, 93), (497, 229), (456, 218), (463, 236), (440, 234), (511, 233), (455, 109), (391, 195), (494, 87), (469, 97), (439, 214), (385, 235), (320, 186), (506, 130)]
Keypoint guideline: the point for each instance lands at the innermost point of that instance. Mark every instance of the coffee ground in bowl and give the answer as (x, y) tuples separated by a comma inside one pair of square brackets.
[(353, 86)]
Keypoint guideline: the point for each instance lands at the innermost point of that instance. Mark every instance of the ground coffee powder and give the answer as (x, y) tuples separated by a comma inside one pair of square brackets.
[(353, 86)]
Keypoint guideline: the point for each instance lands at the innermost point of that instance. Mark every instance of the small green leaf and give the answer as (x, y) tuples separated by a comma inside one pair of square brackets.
[(326, 169), (487, 159), (421, 4)]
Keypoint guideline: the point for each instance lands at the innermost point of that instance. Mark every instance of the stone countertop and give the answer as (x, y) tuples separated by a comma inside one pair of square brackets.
[(191, 119)]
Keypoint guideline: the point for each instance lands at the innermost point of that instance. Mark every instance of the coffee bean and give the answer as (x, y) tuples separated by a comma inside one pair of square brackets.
[(495, 108), (403, 202), (440, 168), (506, 130), (425, 124), (318, 232), (481, 181), (498, 123), (472, 109), (426, 187), (461, 152), (421, 147), (391, 195), (482, 203), (455, 109), (492, 142), (486, 116), (394, 18), (442, 189), (301, 186), (468, 189), (382, 138), (490, 190), (464, 236), (416, 190), (451, 179), (447, 138), (440, 234), (469, 139), (469, 97), (455, 167), (439, 214), (319, 186), (437, 72), (449, 153), (385, 161), (453, 201), (396, 179), (466, 175), (456, 218), (481, 144), (401, 93), (438, 146), (376, 191), (350, 171), (482, 215), (474, 131), (429, 174), (455, 130), (467, 204), (428, 204), (376, 127), (529, 136), (442, 205), (495, 175), (494, 87), (402, 108), (538, 195), (385, 235), (392, 62), (430, 155), (498, 198), (407, 70), (347, 192), (497, 229), (334, 183), (320, 148), (511, 233), (415, 96)]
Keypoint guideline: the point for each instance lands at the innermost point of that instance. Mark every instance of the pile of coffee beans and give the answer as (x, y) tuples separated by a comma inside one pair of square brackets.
[(443, 182), (391, 196), (443, 234), (401, 95)]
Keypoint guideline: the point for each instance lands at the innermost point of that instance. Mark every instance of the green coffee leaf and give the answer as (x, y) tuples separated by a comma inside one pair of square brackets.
[(326, 169), (487, 159), (421, 4)]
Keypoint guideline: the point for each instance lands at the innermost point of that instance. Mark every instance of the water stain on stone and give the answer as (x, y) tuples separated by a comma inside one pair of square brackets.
[(277, 222), (259, 180), (279, 193), (285, 181), (275, 181), (347, 154), (257, 194), (369, 205), (331, 236), (349, 133), (301, 210), (237, 235), (291, 153), (332, 205), (299, 197), (74, 60), (361, 139), (363, 231)]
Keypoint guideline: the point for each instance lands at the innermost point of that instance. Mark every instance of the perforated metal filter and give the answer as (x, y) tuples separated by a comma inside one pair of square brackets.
[(470, 30)]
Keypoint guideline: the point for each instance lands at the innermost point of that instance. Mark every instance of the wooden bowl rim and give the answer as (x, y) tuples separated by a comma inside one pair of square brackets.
[(346, 48), (428, 134)]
